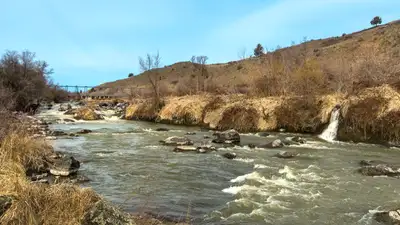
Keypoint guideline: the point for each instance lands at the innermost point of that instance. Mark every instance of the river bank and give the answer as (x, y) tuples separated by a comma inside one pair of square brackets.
[(320, 181), (39, 185), (372, 115)]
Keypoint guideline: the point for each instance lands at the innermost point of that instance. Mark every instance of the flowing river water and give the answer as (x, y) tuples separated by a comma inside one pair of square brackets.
[(128, 166)]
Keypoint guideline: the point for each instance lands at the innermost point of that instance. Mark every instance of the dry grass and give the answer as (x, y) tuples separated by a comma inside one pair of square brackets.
[(37, 203), (18, 147), (239, 118), (299, 114)]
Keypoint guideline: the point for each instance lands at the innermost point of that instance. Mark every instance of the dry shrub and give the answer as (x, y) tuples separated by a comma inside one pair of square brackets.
[(300, 114), (239, 118), (309, 79), (361, 123), (267, 86), (37, 203), (20, 148), (44, 204), (146, 110), (185, 87)]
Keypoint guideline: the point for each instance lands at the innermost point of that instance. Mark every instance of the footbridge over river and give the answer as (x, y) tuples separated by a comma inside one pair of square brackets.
[(85, 92)]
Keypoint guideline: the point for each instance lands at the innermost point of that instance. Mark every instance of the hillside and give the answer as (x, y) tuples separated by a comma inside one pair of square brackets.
[(338, 64)]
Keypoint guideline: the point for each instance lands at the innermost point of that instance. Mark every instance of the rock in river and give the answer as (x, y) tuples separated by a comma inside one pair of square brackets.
[(286, 155), (184, 148), (390, 217), (273, 144), (378, 168), (162, 129), (64, 166), (177, 141), (227, 137), (229, 155), (103, 213), (64, 107), (84, 131)]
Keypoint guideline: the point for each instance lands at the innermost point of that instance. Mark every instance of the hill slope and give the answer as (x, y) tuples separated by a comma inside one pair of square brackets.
[(338, 64)]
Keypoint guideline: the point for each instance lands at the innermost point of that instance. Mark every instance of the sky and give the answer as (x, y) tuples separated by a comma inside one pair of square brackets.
[(89, 42)]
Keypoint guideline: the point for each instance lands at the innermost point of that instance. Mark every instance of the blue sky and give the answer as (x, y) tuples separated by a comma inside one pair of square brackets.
[(88, 42)]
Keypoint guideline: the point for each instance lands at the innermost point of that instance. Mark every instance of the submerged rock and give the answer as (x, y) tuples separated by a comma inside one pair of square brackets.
[(84, 131), (185, 149), (69, 120), (70, 112), (64, 107), (175, 140), (273, 144), (162, 129), (263, 134), (298, 139), (206, 148), (64, 166), (191, 133), (380, 170), (227, 137), (286, 155), (103, 213), (390, 217), (57, 133), (229, 155)]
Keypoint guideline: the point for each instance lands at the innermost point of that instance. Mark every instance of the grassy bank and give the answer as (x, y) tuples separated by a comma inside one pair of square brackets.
[(370, 115), (25, 202)]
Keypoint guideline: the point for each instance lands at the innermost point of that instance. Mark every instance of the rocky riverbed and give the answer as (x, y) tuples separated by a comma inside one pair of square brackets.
[(230, 177)]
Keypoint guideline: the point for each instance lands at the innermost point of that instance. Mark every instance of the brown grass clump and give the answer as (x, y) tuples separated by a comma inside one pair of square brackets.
[(37, 203), (299, 114), (239, 118), (21, 149), (372, 116)]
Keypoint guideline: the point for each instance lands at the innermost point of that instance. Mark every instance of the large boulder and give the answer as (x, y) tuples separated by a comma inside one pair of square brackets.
[(227, 137), (177, 141), (64, 107), (87, 114), (64, 166), (380, 170), (103, 213), (390, 217)]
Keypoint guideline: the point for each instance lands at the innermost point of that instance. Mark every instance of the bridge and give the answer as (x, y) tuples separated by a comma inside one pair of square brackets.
[(83, 92)]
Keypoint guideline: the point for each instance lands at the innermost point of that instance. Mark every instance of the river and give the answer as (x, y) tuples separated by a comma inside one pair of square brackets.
[(128, 166)]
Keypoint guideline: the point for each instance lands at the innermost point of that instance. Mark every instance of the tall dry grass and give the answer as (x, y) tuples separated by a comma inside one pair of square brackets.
[(37, 203)]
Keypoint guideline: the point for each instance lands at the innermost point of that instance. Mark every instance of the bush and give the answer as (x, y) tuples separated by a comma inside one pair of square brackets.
[(299, 114), (24, 78), (239, 118)]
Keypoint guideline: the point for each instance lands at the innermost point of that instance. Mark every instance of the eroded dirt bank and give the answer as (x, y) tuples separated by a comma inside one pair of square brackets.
[(372, 115)]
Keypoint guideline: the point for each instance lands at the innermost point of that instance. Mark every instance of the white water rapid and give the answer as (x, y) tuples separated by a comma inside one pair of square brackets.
[(330, 133)]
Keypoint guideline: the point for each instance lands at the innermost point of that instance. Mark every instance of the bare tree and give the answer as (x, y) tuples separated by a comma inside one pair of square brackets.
[(200, 64), (148, 64), (242, 53)]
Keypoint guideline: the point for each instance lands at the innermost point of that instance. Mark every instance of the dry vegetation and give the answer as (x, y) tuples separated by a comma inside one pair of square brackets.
[(342, 64), (36, 203)]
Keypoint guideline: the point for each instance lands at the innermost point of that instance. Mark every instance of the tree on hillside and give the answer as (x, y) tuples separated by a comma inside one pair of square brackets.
[(200, 64), (259, 50), (148, 64), (130, 75), (376, 21)]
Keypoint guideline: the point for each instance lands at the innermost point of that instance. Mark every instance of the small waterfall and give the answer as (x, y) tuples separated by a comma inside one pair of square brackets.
[(330, 133)]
